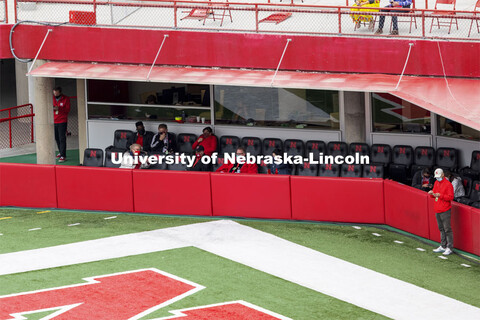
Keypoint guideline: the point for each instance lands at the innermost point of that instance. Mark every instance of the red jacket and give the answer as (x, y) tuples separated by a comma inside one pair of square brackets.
[(444, 202), (63, 104), (246, 168), (209, 144)]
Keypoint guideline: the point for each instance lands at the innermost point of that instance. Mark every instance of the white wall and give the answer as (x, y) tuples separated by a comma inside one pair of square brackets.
[(465, 146), (392, 139)]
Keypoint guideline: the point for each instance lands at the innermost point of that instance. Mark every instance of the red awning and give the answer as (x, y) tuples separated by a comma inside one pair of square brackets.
[(461, 103)]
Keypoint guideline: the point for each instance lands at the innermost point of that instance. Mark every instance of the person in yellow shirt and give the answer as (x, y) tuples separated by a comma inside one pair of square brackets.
[(359, 18)]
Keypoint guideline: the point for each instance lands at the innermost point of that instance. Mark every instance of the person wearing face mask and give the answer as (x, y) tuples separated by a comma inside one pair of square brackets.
[(238, 167), (164, 141), (207, 140), (142, 137), (129, 157), (61, 108), (423, 180), (443, 194)]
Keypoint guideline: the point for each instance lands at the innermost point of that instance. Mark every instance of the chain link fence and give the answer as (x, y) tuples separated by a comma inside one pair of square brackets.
[(19, 130), (3, 11), (262, 17)]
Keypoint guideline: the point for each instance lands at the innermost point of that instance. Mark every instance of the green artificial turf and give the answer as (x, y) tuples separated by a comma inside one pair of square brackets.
[(72, 158), (359, 246), (224, 280)]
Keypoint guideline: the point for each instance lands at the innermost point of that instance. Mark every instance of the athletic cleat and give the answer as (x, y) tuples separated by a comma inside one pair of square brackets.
[(448, 252), (58, 155), (439, 249), (62, 159)]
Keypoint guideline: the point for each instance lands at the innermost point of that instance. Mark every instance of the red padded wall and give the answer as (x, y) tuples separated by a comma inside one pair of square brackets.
[(251, 196), (172, 192), (337, 199), (475, 230), (88, 188), (27, 185), (406, 208)]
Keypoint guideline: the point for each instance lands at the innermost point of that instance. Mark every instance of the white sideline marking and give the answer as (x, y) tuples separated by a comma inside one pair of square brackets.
[(466, 265), (443, 257), (399, 242), (420, 249), (34, 229), (73, 224), (357, 227), (376, 234), (1, 234), (262, 251), (108, 218)]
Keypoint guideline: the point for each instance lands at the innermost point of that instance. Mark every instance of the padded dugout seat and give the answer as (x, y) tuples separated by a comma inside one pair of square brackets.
[(269, 144), (423, 157), (351, 170), (307, 169), (262, 168), (373, 171), (252, 145), (229, 144), (93, 157), (158, 166), (467, 185), (381, 154), (337, 148), (185, 142), (315, 147), (402, 159), (177, 167), (447, 158), (362, 148), (474, 170), (329, 170), (108, 158), (294, 147), (121, 139), (218, 164), (474, 198)]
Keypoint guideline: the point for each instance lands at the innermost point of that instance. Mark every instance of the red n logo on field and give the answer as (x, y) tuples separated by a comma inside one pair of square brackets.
[(424, 152), (93, 153), (271, 143), (186, 138), (123, 135), (446, 153), (250, 142), (228, 141), (123, 296)]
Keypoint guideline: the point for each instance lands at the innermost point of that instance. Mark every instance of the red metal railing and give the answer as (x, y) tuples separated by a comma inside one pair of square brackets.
[(22, 137)]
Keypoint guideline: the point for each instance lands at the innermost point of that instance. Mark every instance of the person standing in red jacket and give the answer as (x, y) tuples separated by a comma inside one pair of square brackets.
[(443, 194), (207, 140), (239, 167), (61, 108)]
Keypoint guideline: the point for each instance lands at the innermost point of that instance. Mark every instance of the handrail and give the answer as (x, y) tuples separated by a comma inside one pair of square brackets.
[(18, 117), (16, 107), (10, 118)]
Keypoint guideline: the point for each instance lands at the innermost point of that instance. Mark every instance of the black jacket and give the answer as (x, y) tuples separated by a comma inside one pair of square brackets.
[(417, 181), (157, 144), (200, 166)]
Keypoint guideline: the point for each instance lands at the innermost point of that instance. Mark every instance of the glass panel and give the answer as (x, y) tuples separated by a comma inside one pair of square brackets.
[(148, 93), (114, 112), (450, 128), (392, 114), (274, 107)]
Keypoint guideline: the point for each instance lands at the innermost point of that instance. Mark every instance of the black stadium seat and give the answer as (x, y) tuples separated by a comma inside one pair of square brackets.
[(229, 144), (158, 166), (351, 170), (402, 159), (423, 157), (307, 169), (474, 198), (294, 147), (467, 185), (185, 142), (93, 158), (263, 168), (362, 148), (474, 170), (337, 148), (108, 158), (447, 158), (315, 147), (373, 171), (271, 143), (218, 163), (121, 139), (329, 170), (252, 145), (381, 154), (177, 167)]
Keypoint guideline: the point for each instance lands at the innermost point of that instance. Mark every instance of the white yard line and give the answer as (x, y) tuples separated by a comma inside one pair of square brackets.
[(265, 252), (34, 229)]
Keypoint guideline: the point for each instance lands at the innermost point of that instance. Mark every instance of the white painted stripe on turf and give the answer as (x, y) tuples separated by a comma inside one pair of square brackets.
[(443, 257), (265, 252), (357, 227), (466, 265), (420, 249), (34, 229), (376, 234), (399, 242), (108, 218), (73, 224), (1, 234)]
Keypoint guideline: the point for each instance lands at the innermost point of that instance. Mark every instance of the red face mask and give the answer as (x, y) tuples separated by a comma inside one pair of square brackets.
[(136, 153)]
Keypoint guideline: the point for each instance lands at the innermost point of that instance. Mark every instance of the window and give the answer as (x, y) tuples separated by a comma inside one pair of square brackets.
[(450, 128), (274, 107), (392, 114)]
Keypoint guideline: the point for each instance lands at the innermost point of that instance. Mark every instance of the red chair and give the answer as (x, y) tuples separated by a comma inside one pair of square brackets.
[(477, 6), (442, 12), (408, 19), (209, 13)]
